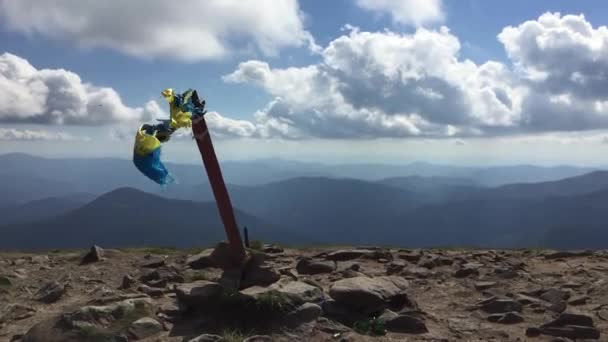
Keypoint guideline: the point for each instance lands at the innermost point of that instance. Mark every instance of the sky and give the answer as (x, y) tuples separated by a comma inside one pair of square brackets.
[(467, 82)]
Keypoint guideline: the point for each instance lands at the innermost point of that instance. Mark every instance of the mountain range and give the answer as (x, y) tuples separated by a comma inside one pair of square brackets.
[(409, 210)]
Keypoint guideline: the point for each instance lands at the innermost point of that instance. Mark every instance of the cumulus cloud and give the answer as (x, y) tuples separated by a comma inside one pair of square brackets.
[(58, 96), (13, 134), (564, 62), (410, 12), (187, 30), (385, 84), (388, 84)]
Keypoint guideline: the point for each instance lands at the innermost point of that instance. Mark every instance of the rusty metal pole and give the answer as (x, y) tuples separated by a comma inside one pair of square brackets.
[(212, 166)]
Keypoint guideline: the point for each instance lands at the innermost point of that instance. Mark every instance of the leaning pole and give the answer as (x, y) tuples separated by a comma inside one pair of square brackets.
[(212, 166)]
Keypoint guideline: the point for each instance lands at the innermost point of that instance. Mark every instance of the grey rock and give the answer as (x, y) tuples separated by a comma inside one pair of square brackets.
[(484, 285), (369, 294), (127, 282), (145, 327), (151, 291), (579, 300), (207, 338), (498, 305), (305, 313), (16, 312), (348, 254), (466, 271), (506, 318), (406, 324), (310, 266), (198, 292), (395, 267), (411, 256), (50, 292), (94, 255), (272, 249), (572, 331), (95, 322), (154, 262), (220, 257), (567, 254), (570, 319)]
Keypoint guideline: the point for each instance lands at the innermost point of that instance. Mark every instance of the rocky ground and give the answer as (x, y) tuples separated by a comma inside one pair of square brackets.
[(359, 294)]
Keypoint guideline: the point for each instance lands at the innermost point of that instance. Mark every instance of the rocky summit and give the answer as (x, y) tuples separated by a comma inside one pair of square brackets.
[(361, 293)]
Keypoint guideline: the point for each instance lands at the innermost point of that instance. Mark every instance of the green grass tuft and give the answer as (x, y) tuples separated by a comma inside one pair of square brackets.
[(372, 326)]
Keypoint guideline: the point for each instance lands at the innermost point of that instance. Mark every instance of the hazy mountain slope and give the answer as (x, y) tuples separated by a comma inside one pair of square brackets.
[(128, 217), (587, 183), (43, 209)]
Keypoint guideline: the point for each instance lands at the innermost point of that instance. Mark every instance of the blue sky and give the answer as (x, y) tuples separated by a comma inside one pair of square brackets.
[(352, 95)]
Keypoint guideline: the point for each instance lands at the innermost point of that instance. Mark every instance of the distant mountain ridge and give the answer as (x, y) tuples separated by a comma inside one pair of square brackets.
[(25, 178), (128, 217)]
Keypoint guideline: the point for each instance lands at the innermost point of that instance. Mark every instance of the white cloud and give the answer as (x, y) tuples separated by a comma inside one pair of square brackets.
[(564, 62), (13, 134), (411, 12), (385, 84), (186, 30), (58, 96)]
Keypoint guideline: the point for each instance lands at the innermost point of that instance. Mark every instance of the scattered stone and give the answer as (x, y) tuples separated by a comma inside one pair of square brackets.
[(574, 326), (97, 323), (160, 277), (310, 266), (484, 285), (258, 272), (370, 295), (94, 255), (305, 313), (50, 292), (155, 262), (39, 259), (411, 256), (299, 291), (127, 282), (207, 338), (151, 291), (465, 271), (418, 272), (220, 257), (579, 300), (349, 254), (16, 312), (145, 327), (496, 305), (506, 272), (395, 267), (572, 331), (198, 292), (272, 249), (331, 327), (567, 254), (506, 318), (407, 324), (533, 332)]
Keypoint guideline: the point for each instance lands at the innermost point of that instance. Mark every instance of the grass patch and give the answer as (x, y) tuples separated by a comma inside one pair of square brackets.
[(274, 302), (233, 335), (4, 282), (256, 245), (372, 326), (192, 276)]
